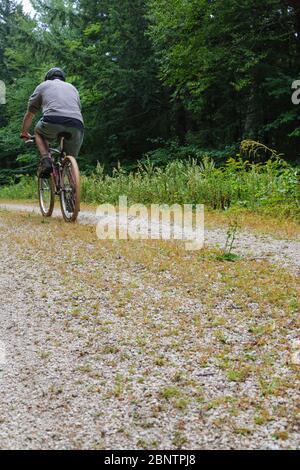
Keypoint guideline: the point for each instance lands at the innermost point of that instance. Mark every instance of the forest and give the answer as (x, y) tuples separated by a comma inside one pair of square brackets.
[(160, 80)]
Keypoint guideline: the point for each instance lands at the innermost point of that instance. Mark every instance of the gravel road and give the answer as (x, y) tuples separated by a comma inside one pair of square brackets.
[(99, 352)]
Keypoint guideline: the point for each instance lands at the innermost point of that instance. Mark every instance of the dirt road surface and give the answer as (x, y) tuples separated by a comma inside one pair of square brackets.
[(132, 345)]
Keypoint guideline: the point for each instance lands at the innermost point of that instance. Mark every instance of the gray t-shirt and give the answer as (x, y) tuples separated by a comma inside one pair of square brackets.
[(56, 98)]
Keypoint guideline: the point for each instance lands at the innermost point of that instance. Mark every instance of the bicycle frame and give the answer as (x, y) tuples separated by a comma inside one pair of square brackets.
[(57, 164), (57, 175), (64, 182)]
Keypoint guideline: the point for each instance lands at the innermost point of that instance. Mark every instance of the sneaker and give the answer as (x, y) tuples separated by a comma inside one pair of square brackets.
[(45, 167)]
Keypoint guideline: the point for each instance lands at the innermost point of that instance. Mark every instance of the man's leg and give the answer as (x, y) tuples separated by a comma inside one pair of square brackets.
[(45, 167), (42, 144), (73, 143), (41, 133)]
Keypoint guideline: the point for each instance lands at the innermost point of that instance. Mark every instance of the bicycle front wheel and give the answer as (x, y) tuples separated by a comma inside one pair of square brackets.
[(70, 190), (46, 194)]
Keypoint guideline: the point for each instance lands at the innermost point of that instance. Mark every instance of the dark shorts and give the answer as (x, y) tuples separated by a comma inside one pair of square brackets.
[(73, 136)]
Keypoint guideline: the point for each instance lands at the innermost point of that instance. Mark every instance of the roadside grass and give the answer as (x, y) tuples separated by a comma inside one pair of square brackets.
[(34, 200), (187, 314), (278, 227), (262, 188)]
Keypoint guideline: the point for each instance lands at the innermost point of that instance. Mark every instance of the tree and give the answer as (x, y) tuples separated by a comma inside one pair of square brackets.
[(199, 73), (128, 105), (20, 62), (232, 63)]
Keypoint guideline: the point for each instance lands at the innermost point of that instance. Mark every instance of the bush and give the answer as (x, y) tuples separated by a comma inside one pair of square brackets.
[(171, 150), (25, 189), (240, 183), (260, 187)]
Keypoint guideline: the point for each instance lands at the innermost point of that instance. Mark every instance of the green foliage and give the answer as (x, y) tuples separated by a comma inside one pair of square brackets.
[(263, 187), (25, 189), (255, 186), (232, 64), (173, 80), (227, 253), (172, 150)]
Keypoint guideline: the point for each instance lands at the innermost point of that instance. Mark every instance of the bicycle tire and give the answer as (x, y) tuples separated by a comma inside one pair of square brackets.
[(46, 186), (70, 190)]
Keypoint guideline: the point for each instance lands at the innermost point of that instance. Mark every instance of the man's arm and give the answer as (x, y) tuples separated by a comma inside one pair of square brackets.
[(34, 105), (27, 121)]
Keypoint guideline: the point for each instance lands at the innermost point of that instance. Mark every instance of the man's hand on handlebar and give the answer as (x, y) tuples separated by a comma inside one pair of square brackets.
[(26, 136)]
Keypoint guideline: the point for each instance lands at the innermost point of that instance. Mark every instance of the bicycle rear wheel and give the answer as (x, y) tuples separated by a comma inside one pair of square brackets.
[(70, 190), (46, 193)]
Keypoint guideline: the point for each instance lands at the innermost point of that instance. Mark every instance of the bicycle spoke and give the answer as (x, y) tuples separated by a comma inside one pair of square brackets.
[(46, 196), (70, 192)]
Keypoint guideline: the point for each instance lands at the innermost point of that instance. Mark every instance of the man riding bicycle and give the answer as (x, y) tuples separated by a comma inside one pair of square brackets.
[(60, 104)]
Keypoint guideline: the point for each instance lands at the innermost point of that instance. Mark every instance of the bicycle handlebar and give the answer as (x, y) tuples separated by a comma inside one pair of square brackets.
[(31, 140)]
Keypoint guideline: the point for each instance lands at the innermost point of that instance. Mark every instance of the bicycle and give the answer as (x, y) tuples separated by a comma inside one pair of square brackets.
[(64, 182)]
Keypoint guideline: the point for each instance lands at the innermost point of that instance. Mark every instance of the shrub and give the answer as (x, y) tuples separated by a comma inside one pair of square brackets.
[(256, 186)]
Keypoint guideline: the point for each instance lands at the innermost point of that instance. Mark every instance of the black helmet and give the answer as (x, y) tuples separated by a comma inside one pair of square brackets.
[(55, 73)]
